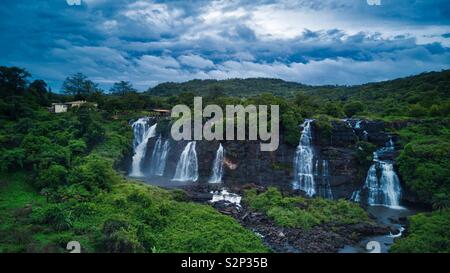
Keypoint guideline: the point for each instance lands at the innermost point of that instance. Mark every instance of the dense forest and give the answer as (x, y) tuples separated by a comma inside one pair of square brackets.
[(60, 178)]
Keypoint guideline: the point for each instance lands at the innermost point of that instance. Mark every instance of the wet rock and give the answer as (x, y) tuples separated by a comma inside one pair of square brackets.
[(199, 196)]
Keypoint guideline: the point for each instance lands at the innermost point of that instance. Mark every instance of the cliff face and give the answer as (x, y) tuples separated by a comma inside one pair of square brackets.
[(245, 163)]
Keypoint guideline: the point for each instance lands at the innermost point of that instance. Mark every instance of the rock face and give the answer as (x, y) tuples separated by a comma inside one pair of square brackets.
[(245, 163)]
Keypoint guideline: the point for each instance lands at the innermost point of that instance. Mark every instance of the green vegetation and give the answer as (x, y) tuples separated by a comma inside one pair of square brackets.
[(59, 181), (59, 185), (129, 218), (424, 161), (428, 233), (298, 212)]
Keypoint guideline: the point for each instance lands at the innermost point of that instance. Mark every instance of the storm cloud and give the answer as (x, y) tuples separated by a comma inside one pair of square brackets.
[(149, 42)]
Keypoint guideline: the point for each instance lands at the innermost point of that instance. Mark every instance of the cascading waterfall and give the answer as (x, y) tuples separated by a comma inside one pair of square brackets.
[(217, 174), (356, 196), (187, 167), (371, 185), (142, 133), (316, 168), (325, 188), (224, 195), (303, 162), (159, 157), (384, 190)]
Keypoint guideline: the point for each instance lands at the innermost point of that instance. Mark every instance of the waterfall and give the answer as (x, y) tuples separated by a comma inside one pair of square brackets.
[(316, 168), (384, 190), (224, 195), (142, 133), (356, 196), (217, 174), (303, 162), (325, 188), (371, 185), (159, 157), (187, 167)]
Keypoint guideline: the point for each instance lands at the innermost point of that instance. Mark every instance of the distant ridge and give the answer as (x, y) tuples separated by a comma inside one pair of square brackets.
[(254, 86)]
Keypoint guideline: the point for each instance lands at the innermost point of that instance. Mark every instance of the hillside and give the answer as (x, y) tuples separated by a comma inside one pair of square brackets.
[(414, 96), (231, 87), (62, 175)]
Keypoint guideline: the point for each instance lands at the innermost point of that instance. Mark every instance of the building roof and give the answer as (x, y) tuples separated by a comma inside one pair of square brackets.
[(70, 102), (76, 102), (161, 110)]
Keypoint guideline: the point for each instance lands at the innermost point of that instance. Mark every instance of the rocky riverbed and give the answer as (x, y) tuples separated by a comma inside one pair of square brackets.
[(324, 238)]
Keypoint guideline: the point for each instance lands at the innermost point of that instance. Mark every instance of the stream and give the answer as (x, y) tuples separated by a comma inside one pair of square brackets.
[(381, 244)]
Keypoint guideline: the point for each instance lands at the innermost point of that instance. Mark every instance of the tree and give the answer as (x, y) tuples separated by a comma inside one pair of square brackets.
[(353, 108), (89, 126), (38, 89), (122, 88), (13, 81), (52, 177), (94, 173), (333, 109), (215, 91), (79, 86)]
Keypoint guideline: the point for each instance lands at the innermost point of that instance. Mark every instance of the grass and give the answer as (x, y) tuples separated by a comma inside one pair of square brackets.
[(16, 192), (154, 221), (298, 212), (15, 195)]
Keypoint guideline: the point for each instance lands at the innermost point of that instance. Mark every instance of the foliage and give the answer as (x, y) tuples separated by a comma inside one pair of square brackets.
[(94, 173), (353, 108), (424, 161), (298, 212), (130, 218), (122, 88), (54, 215), (69, 159), (52, 177), (427, 233), (79, 86), (364, 152)]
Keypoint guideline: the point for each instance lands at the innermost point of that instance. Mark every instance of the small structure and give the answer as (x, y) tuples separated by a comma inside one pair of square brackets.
[(62, 107), (161, 112)]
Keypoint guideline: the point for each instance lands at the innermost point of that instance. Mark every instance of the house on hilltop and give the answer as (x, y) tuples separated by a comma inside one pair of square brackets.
[(62, 107), (161, 113)]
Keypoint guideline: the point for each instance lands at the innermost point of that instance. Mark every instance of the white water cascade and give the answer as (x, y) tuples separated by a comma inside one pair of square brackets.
[(383, 190), (187, 167), (142, 133), (224, 195), (217, 174), (159, 157), (325, 188), (303, 162), (356, 196)]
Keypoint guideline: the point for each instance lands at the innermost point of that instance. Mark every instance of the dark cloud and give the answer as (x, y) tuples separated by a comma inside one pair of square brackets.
[(148, 42)]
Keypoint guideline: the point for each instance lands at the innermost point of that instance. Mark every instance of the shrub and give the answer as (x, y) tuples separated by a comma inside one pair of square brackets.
[(12, 159), (54, 215), (353, 108), (120, 237), (423, 162), (364, 152), (94, 173), (77, 147), (298, 212), (427, 233), (292, 217), (52, 177)]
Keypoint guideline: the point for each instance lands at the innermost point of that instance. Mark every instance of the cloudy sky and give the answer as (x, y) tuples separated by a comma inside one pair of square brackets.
[(149, 42)]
